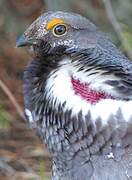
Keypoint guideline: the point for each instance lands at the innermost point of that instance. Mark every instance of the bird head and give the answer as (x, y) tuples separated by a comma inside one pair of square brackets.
[(58, 32)]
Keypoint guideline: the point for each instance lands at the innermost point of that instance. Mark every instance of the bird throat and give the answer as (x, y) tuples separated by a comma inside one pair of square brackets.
[(90, 95)]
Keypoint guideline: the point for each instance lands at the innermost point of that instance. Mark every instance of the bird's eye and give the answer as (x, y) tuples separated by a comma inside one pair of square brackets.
[(60, 30)]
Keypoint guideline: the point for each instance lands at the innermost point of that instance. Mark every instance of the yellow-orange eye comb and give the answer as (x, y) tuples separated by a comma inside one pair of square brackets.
[(53, 23)]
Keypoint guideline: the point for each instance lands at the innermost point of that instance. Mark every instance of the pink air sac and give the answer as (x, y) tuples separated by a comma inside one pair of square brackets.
[(87, 93)]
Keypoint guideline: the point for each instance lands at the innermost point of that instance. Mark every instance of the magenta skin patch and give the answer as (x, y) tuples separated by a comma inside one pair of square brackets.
[(87, 93)]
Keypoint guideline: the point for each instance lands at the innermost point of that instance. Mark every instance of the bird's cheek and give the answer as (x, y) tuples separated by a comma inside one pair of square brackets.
[(41, 48)]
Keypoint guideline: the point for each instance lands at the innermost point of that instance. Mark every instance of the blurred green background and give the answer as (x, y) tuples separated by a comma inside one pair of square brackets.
[(21, 154)]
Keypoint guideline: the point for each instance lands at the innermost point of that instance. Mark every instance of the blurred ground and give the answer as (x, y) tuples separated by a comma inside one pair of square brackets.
[(22, 156)]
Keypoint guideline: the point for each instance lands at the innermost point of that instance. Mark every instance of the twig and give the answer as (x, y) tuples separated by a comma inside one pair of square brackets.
[(116, 25), (12, 99), (6, 168)]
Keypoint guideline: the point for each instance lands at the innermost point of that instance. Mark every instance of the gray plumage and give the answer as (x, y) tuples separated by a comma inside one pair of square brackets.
[(80, 149)]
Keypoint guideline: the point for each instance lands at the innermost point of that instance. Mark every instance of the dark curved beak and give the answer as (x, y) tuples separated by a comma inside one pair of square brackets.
[(21, 41), (25, 41)]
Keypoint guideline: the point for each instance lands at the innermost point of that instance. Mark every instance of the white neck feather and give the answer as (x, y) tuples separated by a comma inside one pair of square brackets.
[(59, 87)]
